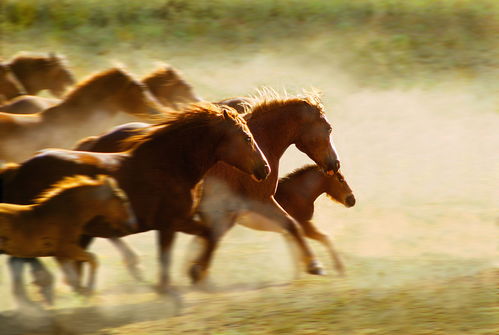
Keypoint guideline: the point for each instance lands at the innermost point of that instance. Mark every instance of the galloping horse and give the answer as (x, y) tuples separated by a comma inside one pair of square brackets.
[(158, 173), (37, 73), (168, 86), (10, 87), (276, 124), (297, 192), (53, 224), (84, 110)]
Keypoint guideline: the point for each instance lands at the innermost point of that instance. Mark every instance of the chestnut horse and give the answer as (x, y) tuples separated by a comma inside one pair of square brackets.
[(165, 83), (276, 124), (84, 110), (37, 73), (53, 224), (158, 173), (10, 87), (297, 192)]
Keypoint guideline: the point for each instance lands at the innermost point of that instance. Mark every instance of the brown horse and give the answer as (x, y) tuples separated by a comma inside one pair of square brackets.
[(83, 110), (37, 73), (53, 224), (297, 192), (158, 173), (168, 86), (10, 87), (276, 124)]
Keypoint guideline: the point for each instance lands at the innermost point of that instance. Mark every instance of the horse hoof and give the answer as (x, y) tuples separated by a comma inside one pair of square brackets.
[(197, 274), (47, 294), (315, 268), (137, 274)]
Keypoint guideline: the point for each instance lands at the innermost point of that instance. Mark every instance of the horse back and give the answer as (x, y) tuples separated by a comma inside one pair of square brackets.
[(48, 167)]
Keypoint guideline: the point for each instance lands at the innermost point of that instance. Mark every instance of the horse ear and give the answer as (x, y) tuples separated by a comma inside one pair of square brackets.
[(226, 114)]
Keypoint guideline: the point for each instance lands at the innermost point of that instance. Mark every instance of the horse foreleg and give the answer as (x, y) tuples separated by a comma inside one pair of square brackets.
[(130, 258), (166, 239), (312, 232), (273, 211), (16, 266), (215, 228)]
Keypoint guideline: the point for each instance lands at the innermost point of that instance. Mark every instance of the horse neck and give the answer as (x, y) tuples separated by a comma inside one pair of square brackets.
[(310, 184), (274, 131), (77, 205), (185, 158)]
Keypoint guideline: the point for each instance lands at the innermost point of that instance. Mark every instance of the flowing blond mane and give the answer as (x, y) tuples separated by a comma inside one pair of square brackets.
[(100, 82), (69, 183), (165, 75), (266, 99)]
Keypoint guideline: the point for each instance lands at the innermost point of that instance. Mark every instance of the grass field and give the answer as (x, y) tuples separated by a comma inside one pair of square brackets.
[(418, 143)]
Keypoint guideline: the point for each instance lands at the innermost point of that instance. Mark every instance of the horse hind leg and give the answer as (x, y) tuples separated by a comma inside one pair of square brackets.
[(312, 232)]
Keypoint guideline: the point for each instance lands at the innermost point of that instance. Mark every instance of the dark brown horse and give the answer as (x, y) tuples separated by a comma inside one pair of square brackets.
[(276, 124), (37, 73), (297, 192), (10, 87), (88, 108), (53, 224), (158, 173)]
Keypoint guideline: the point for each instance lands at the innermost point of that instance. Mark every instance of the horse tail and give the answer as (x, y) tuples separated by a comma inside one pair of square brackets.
[(7, 171)]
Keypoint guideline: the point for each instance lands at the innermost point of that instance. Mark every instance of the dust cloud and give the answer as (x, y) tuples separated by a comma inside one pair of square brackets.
[(422, 163)]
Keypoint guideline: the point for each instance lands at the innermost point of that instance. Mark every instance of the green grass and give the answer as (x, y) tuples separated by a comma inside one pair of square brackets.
[(376, 39)]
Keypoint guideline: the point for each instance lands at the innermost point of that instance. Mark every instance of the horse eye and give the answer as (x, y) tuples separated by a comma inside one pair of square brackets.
[(248, 139)]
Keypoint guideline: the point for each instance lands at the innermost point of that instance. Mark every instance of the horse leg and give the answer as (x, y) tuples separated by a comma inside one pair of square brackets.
[(273, 211), (312, 232), (16, 266), (130, 258), (43, 279), (215, 228), (72, 277), (166, 238), (82, 256)]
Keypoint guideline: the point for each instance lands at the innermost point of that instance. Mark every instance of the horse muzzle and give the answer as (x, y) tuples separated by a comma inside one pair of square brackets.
[(261, 173), (350, 201)]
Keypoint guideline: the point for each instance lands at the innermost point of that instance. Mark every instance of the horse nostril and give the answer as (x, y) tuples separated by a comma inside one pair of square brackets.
[(350, 201), (261, 172)]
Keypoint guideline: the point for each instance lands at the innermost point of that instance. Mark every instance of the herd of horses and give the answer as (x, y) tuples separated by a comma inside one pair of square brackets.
[(180, 164)]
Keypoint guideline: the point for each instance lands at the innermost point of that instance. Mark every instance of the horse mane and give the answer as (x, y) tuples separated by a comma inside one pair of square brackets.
[(192, 116), (298, 172), (66, 184), (26, 62), (165, 75), (267, 99), (304, 169), (99, 83)]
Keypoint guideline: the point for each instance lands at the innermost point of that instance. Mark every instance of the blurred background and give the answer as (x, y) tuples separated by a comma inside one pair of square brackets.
[(411, 88)]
